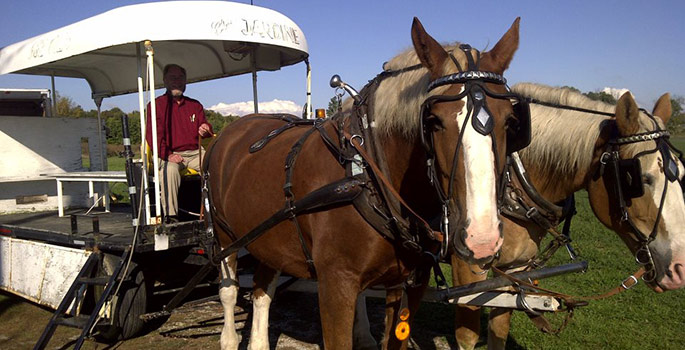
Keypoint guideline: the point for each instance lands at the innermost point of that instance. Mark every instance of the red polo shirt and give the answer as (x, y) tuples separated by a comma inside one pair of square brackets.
[(177, 124)]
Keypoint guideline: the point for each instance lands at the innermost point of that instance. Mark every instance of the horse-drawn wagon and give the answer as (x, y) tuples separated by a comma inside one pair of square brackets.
[(122, 257)]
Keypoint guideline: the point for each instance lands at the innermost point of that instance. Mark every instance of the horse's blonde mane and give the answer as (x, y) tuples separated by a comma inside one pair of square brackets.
[(397, 101), (563, 140)]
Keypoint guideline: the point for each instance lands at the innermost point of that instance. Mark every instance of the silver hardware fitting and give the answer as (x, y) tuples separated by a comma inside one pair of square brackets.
[(604, 159), (631, 277), (361, 139), (522, 299), (445, 230)]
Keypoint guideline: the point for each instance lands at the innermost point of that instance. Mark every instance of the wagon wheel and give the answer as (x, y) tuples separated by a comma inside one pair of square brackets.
[(127, 306)]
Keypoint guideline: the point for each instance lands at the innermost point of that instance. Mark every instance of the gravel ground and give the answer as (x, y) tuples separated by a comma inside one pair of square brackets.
[(294, 325)]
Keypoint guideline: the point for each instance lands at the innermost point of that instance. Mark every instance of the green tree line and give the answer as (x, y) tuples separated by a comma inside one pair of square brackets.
[(676, 125), (112, 119)]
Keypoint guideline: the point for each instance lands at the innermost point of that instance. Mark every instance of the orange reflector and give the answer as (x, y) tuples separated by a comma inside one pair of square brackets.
[(402, 331), (404, 314), (320, 113), (536, 282)]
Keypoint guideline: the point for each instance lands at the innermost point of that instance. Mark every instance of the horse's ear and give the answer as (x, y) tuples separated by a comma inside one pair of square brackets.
[(504, 50), (663, 108), (430, 52), (627, 115)]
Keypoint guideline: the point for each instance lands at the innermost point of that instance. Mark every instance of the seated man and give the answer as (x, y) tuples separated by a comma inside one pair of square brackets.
[(180, 120)]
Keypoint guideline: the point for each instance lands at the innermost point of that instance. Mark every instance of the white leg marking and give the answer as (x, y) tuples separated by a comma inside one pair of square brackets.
[(259, 335), (228, 294)]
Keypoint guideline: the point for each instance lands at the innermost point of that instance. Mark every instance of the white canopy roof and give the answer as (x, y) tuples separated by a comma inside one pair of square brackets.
[(211, 39)]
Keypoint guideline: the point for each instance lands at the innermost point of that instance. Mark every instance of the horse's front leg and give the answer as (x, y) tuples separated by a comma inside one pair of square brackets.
[(498, 327), (499, 323), (393, 299), (394, 304), (467, 318), (265, 283), (337, 299), (228, 294)]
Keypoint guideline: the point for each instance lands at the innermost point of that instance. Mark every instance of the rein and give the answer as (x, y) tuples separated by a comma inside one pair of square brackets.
[(570, 302)]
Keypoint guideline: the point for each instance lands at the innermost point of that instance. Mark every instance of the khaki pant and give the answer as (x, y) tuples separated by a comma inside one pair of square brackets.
[(170, 179)]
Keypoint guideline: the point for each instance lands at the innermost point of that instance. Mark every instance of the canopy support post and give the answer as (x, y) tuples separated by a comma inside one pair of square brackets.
[(54, 94), (308, 111), (98, 103), (153, 112), (253, 62), (143, 131)]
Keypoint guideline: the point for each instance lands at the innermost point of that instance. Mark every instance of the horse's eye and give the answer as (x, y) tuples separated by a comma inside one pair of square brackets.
[(648, 179), (433, 123), (511, 122)]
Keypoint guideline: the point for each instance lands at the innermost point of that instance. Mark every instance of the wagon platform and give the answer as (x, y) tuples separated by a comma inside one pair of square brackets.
[(108, 231)]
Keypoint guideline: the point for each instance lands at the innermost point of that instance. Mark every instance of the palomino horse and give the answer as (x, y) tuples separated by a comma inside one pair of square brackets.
[(574, 150), (338, 240)]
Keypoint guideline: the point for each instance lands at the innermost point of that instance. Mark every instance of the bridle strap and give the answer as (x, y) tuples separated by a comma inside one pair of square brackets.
[(356, 143)]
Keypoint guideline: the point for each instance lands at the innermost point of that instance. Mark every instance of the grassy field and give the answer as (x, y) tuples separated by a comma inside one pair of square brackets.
[(638, 318)]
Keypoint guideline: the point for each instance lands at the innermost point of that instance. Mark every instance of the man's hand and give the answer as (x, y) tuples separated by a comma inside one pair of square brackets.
[(175, 158), (205, 130)]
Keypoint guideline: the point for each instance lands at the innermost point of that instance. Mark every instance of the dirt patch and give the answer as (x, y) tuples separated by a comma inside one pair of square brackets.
[(294, 324)]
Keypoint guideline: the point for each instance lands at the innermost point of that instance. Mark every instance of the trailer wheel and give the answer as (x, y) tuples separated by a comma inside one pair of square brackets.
[(129, 305)]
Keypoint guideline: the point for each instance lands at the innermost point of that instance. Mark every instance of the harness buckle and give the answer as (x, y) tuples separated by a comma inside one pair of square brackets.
[(629, 279), (533, 211)]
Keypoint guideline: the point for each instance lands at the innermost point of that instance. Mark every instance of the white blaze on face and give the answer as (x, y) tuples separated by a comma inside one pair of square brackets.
[(483, 236), (669, 244)]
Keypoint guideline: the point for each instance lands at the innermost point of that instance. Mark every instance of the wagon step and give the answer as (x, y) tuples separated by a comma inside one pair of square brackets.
[(79, 321), (75, 296), (97, 281)]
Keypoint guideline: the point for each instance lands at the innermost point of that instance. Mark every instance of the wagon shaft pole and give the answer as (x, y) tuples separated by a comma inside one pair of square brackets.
[(503, 281)]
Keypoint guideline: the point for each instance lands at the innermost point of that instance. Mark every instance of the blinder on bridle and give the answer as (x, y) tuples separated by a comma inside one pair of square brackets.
[(627, 177), (475, 88), (518, 132)]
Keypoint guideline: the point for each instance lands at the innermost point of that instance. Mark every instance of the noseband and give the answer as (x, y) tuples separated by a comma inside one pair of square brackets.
[(626, 176), (478, 111)]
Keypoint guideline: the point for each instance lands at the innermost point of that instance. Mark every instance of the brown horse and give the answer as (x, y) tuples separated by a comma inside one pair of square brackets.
[(566, 155), (334, 242)]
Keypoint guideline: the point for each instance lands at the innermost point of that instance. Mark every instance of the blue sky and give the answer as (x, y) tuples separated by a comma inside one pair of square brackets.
[(636, 45)]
